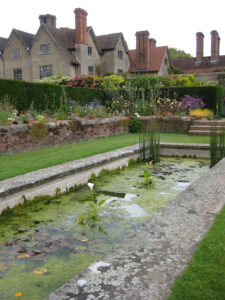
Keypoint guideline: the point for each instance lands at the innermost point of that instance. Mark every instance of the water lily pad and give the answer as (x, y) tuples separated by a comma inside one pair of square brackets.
[(84, 240), (40, 257), (50, 249), (40, 271), (3, 266), (80, 248), (22, 250), (25, 255), (36, 252)]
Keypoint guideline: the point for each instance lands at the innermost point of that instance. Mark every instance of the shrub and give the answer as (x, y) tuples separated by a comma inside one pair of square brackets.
[(190, 103), (57, 79), (201, 113), (135, 125), (88, 81), (44, 96), (211, 95)]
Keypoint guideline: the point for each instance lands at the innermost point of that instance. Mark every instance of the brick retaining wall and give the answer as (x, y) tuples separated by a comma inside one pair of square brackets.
[(17, 138)]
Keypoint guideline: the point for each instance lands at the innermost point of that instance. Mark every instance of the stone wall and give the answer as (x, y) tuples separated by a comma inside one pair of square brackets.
[(17, 138), (179, 124)]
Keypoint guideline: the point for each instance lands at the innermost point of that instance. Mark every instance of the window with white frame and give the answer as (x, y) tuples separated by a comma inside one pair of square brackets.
[(45, 49), (16, 53), (120, 54), (90, 70), (17, 74), (89, 51), (46, 71)]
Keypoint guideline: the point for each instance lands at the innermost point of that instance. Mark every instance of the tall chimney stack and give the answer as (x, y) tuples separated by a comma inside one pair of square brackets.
[(48, 19), (199, 46), (215, 45), (81, 26), (152, 43), (142, 50)]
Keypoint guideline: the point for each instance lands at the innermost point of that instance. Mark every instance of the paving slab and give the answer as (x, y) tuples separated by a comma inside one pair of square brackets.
[(146, 264)]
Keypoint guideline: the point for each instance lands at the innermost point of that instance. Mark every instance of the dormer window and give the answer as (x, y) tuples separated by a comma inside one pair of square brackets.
[(45, 49), (16, 53), (120, 54), (89, 51)]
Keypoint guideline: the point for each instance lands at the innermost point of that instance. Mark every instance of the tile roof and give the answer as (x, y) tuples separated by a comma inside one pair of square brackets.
[(190, 63), (3, 43), (25, 37), (108, 41), (156, 56), (65, 39)]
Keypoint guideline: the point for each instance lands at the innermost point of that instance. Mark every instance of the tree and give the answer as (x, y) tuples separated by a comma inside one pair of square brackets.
[(176, 53)]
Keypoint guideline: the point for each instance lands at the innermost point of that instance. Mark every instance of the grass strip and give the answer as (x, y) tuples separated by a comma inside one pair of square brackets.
[(204, 278), (21, 163)]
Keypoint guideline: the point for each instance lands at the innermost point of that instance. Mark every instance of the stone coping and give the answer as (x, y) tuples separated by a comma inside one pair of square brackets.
[(28, 180), (146, 264), (57, 123)]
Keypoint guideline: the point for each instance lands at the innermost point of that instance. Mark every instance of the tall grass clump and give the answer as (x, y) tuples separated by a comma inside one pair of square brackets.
[(149, 142), (217, 145)]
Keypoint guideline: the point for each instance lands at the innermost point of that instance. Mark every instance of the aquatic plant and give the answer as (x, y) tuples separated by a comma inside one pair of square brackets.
[(149, 142), (217, 145), (147, 174), (94, 207)]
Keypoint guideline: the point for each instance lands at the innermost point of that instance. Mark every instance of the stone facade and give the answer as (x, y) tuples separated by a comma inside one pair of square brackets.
[(17, 138), (62, 50), (13, 61)]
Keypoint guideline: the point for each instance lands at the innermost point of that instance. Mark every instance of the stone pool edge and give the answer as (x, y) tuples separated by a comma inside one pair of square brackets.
[(77, 172), (146, 264)]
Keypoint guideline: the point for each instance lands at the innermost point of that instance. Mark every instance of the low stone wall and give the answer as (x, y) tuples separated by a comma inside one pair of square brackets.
[(179, 124), (17, 138)]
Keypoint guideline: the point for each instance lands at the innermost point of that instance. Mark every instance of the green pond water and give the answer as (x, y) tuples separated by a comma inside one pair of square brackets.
[(42, 246)]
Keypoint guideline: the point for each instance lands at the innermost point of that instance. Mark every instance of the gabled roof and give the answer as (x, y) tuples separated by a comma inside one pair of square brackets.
[(191, 64), (25, 37), (156, 56), (65, 40), (108, 41), (3, 43)]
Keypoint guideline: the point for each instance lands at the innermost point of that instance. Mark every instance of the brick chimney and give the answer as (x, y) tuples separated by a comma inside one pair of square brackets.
[(199, 46), (152, 43), (142, 50), (54, 21), (48, 19), (81, 26), (215, 45)]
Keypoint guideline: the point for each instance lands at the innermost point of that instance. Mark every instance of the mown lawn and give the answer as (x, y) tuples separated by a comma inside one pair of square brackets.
[(204, 279), (16, 164)]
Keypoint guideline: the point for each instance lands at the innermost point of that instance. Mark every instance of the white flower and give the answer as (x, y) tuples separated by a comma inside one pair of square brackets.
[(91, 185)]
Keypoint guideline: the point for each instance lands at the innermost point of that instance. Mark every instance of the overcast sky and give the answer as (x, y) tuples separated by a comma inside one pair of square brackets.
[(170, 22)]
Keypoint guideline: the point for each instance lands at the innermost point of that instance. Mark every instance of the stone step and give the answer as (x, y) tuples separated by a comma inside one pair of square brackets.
[(208, 123), (204, 127), (201, 132)]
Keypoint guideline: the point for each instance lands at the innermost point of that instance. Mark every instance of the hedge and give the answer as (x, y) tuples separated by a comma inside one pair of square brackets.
[(43, 95), (211, 95)]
